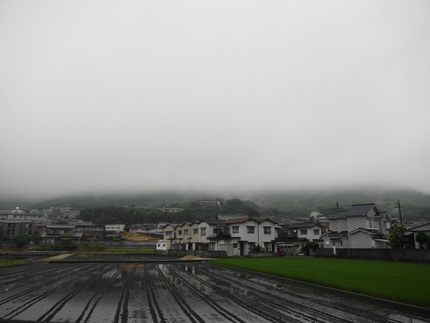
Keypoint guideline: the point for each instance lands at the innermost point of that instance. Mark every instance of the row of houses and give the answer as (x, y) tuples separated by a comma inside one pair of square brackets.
[(77, 231), (362, 226), (44, 216), (236, 235)]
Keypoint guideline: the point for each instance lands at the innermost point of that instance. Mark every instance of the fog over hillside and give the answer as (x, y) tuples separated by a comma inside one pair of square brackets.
[(276, 204), (101, 97)]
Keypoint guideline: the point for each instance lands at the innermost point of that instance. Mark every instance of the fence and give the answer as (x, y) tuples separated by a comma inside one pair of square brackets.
[(201, 253), (405, 255), (129, 244)]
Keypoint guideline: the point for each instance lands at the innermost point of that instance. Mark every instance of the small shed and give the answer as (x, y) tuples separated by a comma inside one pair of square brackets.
[(161, 246)]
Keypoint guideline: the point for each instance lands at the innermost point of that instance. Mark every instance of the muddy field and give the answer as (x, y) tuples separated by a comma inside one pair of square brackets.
[(178, 292)]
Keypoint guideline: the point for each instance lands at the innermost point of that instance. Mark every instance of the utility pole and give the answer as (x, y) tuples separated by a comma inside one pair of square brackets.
[(398, 206)]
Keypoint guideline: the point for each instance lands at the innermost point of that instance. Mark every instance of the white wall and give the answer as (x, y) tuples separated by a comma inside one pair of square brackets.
[(115, 227), (360, 240)]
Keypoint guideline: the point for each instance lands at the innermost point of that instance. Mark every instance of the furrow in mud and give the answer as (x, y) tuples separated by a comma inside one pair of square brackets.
[(275, 298), (42, 281), (95, 298), (186, 308), (209, 301), (316, 307), (122, 308), (261, 310), (33, 301), (180, 292), (154, 307), (80, 286)]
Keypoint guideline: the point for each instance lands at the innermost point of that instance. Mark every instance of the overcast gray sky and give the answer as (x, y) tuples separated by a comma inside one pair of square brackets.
[(118, 95)]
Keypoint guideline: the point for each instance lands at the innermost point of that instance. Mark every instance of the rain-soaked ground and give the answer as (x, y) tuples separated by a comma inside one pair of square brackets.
[(178, 292)]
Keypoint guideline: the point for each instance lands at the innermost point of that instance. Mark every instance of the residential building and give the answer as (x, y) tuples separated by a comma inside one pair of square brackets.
[(78, 231), (242, 236), (115, 227), (297, 235), (169, 235), (237, 236), (161, 246), (183, 236), (425, 228), (362, 226), (17, 228), (20, 215), (90, 231), (54, 232)]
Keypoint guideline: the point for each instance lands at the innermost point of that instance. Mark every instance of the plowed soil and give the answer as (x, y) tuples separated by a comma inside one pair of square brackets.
[(179, 292), (137, 236)]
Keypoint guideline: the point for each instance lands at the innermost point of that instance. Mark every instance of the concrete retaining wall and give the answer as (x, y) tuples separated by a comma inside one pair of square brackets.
[(201, 253)]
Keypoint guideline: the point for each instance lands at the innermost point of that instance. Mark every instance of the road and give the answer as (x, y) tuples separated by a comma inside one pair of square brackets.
[(179, 292)]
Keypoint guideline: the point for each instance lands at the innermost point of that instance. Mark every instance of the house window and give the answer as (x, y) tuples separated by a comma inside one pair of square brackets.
[(180, 232), (234, 245), (186, 232), (195, 231), (316, 232), (268, 246), (267, 230), (236, 229), (250, 229), (203, 232), (168, 234), (303, 231)]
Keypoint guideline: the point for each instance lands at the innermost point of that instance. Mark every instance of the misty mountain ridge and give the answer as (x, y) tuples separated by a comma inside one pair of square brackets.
[(285, 204)]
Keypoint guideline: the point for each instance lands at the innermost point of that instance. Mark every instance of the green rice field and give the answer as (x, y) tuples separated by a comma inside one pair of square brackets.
[(402, 282)]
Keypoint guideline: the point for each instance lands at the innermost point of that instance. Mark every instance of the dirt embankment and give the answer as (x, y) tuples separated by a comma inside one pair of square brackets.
[(137, 236)]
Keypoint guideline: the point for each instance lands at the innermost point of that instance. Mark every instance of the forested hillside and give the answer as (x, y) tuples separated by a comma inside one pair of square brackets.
[(192, 211), (275, 204), (416, 206)]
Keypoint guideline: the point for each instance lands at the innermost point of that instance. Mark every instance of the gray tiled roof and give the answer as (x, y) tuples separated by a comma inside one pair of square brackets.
[(303, 225), (422, 227), (213, 222), (360, 209), (338, 215)]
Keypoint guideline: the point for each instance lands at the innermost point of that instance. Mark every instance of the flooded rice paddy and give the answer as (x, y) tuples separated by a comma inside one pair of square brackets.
[(178, 292)]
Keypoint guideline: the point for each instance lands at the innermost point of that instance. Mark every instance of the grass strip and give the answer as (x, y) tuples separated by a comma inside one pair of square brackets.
[(6, 263), (402, 282)]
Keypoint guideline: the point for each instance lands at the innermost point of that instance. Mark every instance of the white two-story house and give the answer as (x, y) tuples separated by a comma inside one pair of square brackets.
[(362, 226), (234, 236)]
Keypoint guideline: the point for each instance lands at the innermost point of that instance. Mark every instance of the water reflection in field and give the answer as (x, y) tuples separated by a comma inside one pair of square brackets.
[(170, 292)]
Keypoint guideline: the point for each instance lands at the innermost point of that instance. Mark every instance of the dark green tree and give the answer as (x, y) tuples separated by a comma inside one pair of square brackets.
[(21, 241), (422, 239), (397, 237)]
